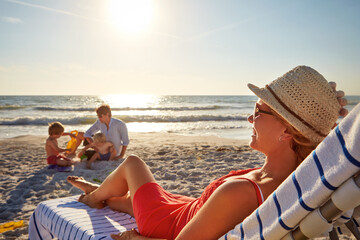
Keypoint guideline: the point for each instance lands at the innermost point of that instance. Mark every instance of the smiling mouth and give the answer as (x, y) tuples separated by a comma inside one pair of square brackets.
[(253, 133)]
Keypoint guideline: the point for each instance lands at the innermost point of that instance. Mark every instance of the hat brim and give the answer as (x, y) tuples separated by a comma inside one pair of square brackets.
[(268, 98), (271, 101)]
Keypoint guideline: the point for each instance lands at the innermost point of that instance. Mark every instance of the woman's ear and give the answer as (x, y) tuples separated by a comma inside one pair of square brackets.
[(285, 137)]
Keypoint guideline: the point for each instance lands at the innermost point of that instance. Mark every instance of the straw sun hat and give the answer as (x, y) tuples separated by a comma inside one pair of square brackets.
[(304, 98)]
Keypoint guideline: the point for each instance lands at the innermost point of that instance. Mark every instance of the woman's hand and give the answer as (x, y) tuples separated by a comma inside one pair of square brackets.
[(342, 101), (132, 234)]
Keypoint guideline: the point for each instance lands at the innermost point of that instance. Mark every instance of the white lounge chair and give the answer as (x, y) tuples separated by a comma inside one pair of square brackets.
[(66, 218), (328, 171)]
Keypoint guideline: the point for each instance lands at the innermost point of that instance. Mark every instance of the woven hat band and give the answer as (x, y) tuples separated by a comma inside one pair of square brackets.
[(294, 114)]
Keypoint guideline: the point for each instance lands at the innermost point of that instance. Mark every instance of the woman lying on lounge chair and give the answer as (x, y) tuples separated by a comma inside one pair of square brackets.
[(294, 113)]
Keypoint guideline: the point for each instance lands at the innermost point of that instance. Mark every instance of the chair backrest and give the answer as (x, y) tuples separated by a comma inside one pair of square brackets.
[(334, 161)]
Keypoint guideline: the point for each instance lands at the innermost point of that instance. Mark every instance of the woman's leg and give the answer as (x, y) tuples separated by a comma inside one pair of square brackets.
[(82, 184), (121, 204), (127, 177)]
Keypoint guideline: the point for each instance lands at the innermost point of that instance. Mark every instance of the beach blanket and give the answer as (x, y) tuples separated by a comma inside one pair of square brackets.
[(66, 218), (334, 161)]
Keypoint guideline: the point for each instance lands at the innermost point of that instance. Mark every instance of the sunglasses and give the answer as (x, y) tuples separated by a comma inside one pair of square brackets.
[(257, 110)]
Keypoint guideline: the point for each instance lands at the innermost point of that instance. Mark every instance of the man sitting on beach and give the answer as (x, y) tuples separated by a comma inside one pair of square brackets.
[(56, 130), (114, 129)]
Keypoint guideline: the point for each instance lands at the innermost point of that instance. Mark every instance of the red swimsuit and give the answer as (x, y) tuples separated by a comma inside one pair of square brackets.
[(161, 214), (52, 159)]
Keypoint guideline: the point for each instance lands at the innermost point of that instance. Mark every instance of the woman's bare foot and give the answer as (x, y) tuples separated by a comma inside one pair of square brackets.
[(82, 184), (87, 199)]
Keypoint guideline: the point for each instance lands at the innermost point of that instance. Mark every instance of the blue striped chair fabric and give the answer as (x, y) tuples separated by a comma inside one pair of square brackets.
[(66, 218)]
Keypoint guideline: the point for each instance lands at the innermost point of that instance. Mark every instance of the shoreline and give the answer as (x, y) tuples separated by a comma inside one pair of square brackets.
[(9, 132)]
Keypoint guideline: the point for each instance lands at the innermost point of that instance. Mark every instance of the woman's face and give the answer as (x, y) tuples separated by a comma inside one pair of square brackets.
[(267, 129)]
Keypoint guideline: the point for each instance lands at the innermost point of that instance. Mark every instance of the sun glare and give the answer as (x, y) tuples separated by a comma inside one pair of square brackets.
[(131, 16), (129, 100)]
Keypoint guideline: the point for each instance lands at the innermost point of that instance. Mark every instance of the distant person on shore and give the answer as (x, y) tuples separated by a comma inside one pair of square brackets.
[(53, 151), (104, 150), (293, 115), (114, 129)]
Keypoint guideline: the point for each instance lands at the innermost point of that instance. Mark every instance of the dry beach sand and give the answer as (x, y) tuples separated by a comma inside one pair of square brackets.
[(181, 164)]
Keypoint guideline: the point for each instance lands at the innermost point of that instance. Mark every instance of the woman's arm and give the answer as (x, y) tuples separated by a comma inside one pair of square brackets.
[(229, 205)]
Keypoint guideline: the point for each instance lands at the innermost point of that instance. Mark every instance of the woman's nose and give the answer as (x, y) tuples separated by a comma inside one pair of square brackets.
[(251, 118)]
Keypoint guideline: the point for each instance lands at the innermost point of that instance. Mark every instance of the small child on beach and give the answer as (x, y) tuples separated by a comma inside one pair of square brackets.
[(53, 151), (104, 150)]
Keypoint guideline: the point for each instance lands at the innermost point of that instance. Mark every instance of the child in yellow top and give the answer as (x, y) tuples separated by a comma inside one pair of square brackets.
[(104, 150)]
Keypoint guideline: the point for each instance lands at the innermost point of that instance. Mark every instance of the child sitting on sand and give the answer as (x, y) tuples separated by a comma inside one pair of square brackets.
[(56, 130), (104, 150)]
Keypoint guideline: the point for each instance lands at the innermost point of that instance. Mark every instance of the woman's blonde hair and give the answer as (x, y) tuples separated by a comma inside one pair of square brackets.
[(301, 145)]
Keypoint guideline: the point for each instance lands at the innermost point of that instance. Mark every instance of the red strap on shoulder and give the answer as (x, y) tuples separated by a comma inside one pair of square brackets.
[(257, 189)]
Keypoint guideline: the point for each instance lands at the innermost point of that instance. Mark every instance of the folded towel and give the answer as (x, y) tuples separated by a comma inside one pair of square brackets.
[(335, 160), (66, 218)]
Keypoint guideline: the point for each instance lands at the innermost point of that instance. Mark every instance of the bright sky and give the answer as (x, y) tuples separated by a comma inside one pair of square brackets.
[(173, 46)]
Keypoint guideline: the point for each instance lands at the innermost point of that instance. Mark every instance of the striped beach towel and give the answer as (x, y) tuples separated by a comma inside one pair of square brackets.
[(334, 161), (66, 218)]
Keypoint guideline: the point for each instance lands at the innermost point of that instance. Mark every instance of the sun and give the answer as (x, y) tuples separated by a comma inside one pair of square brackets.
[(131, 16)]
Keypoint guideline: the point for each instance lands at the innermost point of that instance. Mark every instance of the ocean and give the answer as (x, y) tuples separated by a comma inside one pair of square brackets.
[(222, 116)]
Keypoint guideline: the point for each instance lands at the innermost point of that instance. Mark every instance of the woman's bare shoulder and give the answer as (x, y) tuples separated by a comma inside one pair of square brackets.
[(238, 191)]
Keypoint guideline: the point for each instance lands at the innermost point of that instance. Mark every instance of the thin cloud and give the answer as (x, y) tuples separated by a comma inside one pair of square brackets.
[(12, 20), (56, 11), (77, 15)]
